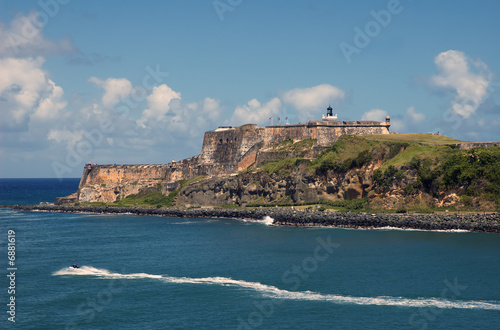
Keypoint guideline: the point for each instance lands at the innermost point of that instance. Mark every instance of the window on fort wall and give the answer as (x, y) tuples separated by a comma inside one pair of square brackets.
[(220, 141)]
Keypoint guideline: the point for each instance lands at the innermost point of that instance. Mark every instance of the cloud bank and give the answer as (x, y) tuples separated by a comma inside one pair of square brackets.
[(467, 79), (25, 38), (308, 101)]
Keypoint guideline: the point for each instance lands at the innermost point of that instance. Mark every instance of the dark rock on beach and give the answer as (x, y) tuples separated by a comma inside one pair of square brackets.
[(479, 222)]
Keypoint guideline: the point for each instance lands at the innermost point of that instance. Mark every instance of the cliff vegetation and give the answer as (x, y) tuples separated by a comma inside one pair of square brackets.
[(400, 172)]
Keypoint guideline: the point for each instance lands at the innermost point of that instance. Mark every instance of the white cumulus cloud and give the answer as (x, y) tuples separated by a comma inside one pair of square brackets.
[(166, 114), (468, 79), (309, 101), (200, 116), (50, 107), (255, 112), (374, 114), (115, 89), (398, 123), (414, 116), (159, 103), (26, 92)]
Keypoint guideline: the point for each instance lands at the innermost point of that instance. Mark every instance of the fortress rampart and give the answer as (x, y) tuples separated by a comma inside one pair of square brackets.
[(107, 183), (470, 145), (111, 174), (231, 149)]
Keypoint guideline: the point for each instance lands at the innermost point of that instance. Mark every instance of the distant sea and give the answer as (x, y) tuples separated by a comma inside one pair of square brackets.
[(35, 191), (141, 272)]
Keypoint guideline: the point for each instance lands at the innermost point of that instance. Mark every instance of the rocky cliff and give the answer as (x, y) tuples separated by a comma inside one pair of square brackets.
[(383, 175), (261, 187)]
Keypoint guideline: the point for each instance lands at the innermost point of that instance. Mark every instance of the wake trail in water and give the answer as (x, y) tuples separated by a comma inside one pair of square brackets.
[(273, 292)]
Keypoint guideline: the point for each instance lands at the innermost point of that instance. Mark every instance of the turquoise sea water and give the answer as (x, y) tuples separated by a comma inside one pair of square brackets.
[(157, 273)]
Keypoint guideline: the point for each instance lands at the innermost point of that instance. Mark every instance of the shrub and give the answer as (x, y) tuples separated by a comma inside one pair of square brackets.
[(466, 200), (384, 180), (395, 148), (361, 159), (414, 163), (476, 169), (356, 204), (283, 167)]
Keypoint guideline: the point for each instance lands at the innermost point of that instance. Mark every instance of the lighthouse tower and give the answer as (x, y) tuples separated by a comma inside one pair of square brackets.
[(329, 114)]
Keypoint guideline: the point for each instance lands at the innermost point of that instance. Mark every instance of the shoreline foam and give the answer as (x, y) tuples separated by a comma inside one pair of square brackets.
[(474, 222)]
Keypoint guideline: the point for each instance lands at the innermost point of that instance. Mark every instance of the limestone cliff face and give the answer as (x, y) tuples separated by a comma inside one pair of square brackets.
[(108, 183), (262, 187)]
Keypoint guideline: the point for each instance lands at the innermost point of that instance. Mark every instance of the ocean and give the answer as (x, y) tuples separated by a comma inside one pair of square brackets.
[(140, 272)]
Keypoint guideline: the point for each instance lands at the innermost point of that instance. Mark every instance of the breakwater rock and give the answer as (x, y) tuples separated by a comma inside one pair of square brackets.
[(480, 222)]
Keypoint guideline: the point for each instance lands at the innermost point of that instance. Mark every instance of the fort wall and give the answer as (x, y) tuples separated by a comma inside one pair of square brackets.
[(279, 133), (107, 174), (470, 145), (108, 183), (112, 173), (327, 135), (225, 147), (226, 150)]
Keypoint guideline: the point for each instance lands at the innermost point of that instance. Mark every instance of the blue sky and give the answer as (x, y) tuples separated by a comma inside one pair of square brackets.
[(140, 82)]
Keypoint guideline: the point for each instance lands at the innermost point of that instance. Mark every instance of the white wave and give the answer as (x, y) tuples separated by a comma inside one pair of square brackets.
[(20, 216), (426, 230), (276, 293), (268, 221), (183, 222)]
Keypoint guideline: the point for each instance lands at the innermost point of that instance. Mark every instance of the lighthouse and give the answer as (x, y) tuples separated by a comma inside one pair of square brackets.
[(329, 114)]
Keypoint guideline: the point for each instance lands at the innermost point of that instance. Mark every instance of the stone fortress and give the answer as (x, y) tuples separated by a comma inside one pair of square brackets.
[(225, 151), (228, 150)]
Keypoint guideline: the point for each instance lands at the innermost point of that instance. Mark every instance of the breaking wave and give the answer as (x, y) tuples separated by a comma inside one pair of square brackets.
[(267, 220), (273, 292)]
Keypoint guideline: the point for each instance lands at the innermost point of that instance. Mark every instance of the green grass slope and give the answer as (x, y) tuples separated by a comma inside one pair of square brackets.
[(426, 139)]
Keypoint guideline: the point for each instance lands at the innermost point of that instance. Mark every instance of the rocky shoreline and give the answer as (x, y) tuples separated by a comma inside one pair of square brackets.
[(479, 222)]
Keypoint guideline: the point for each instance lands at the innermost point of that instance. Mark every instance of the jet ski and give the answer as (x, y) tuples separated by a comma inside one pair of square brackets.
[(75, 265)]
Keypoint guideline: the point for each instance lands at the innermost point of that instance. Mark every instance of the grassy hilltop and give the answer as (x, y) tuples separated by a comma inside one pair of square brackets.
[(411, 164)]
